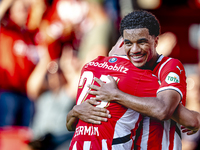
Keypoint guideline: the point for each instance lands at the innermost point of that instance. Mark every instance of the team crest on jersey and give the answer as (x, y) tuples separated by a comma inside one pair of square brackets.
[(172, 78), (112, 60)]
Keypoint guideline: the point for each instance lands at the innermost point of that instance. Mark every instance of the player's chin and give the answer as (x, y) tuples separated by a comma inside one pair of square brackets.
[(138, 64)]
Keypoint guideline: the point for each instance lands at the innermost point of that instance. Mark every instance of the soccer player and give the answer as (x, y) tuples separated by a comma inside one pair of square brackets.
[(140, 30), (120, 130)]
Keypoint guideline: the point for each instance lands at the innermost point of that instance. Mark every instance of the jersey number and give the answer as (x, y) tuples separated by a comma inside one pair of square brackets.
[(88, 78)]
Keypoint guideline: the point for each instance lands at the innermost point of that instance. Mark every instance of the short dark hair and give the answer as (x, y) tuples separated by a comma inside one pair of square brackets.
[(140, 19)]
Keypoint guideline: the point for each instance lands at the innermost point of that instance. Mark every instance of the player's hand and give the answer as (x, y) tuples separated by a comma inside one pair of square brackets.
[(87, 112), (104, 92), (188, 131)]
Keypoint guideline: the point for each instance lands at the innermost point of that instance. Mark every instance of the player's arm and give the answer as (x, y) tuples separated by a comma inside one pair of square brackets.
[(152, 107), (88, 113), (161, 107), (71, 121), (187, 118)]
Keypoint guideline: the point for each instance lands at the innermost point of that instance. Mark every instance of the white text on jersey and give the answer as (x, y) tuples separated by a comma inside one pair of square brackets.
[(85, 130), (105, 65)]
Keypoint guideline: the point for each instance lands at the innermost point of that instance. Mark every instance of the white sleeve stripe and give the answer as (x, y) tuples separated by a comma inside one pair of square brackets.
[(145, 135), (170, 88), (162, 67), (166, 134)]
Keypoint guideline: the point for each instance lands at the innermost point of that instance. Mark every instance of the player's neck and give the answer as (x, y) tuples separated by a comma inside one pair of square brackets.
[(152, 63)]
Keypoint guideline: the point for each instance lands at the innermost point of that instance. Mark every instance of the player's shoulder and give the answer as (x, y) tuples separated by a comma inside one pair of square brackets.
[(168, 60), (170, 67), (168, 64)]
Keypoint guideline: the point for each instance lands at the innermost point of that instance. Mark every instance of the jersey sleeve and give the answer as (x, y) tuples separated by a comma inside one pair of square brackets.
[(172, 77)]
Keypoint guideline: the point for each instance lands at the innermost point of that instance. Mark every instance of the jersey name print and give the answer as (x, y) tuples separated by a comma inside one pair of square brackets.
[(87, 130), (120, 130)]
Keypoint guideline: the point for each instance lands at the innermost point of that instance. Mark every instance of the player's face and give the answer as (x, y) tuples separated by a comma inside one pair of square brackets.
[(140, 47)]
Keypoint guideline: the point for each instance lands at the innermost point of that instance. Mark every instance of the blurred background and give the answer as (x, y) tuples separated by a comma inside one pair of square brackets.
[(44, 44)]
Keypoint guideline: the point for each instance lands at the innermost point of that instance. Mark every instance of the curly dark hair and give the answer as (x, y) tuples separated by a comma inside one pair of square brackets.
[(140, 19)]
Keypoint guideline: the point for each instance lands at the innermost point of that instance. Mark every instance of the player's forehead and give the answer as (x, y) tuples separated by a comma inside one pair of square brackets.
[(136, 34)]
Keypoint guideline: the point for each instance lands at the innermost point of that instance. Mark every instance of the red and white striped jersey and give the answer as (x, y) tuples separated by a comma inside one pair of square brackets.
[(164, 135), (120, 130)]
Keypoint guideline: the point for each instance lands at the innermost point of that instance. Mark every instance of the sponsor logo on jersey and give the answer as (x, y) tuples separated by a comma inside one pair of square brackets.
[(85, 130), (105, 65), (172, 78), (112, 60)]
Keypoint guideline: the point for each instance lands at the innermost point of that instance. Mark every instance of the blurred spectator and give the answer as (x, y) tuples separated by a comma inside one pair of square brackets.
[(37, 10), (53, 104), (18, 57), (60, 24), (97, 31), (167, 42), (4, 5), (126, 6), (84, 25), (193, 94), (192, 103), (53, 89)]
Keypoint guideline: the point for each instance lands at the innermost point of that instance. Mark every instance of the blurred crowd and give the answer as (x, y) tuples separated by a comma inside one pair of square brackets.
[(43, 46)]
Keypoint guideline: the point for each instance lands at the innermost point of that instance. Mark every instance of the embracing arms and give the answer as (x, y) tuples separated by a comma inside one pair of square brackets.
[(187, 118), (86, 112), (165, 106), (71, 121), (160, 107)]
